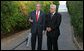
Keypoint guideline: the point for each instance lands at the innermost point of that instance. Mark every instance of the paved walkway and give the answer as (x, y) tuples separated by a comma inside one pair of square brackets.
[(65, 40), (12, 41)]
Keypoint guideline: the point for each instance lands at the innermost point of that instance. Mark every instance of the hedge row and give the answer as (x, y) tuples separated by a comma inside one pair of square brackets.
[(76, 12)]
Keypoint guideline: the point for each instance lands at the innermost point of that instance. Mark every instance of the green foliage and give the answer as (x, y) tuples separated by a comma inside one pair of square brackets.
[(75, 9), (12, 16), (7, 16), (57, 4)]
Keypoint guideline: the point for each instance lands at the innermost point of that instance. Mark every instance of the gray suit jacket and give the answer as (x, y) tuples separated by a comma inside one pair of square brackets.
[(40, 25)]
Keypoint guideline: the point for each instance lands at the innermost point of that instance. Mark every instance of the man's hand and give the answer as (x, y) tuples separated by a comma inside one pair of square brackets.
[(43, 32), (30, 20), (48, 29)]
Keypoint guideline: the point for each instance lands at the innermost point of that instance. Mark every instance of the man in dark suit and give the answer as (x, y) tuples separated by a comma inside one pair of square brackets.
[(53, 21), (38, 26)]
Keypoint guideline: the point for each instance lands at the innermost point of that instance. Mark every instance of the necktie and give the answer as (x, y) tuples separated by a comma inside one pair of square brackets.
[(51, 16), (37, 16)]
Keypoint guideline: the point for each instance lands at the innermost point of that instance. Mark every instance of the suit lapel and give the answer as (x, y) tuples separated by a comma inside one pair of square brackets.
[(39, 17), (53, 16), (35, 15)]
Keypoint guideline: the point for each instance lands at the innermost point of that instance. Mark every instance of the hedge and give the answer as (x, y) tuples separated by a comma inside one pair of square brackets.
[(75, 9)]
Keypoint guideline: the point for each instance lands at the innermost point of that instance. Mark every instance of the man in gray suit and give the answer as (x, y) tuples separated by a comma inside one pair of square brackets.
[(37, 18)]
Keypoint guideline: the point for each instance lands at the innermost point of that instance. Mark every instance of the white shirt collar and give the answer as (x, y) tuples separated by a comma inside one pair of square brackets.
[(53, 13), (38, 13)]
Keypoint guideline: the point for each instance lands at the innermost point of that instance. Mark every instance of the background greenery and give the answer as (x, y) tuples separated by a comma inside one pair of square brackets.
[(13, 17), (75, 9)]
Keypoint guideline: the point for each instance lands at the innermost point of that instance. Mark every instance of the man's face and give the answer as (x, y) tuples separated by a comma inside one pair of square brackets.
[(38, 7), (52, 10)]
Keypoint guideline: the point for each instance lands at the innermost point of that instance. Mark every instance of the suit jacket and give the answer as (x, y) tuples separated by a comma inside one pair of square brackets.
[(54, 24), (40, 25)]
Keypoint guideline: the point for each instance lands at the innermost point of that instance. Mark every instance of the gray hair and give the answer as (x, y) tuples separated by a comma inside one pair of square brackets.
[(53, 5), (38, 4)]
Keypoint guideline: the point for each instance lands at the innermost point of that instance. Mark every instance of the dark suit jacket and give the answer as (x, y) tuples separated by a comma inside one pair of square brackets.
[(54, 23), (40, 25)]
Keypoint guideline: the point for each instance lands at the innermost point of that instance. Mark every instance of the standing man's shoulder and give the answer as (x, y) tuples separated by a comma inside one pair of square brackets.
[(48, 14), (42, 11), (58, 14), (32, 11)]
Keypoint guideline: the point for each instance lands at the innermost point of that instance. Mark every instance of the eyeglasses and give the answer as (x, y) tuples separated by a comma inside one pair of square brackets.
[(37, 6), (51, 9)]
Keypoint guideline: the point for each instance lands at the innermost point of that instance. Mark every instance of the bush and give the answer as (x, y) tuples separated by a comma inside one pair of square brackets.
[(75, 9), (14, 14), (8, 16)]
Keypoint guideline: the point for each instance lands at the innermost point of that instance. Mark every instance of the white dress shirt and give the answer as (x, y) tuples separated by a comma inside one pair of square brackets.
[(53, 13), (38, 13)]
